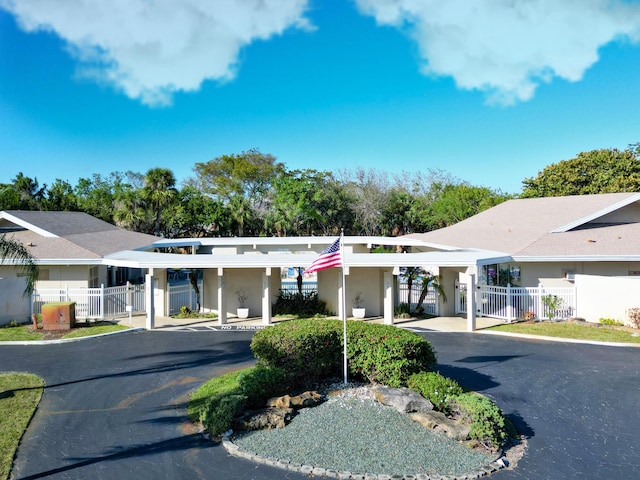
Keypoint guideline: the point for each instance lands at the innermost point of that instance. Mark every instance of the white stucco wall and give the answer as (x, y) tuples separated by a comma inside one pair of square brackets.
[(606, 297), (14, 306)]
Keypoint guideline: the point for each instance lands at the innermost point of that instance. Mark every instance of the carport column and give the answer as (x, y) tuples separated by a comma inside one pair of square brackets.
[(149, 300), (266, 296), (222, 302), (388, 283), (471, 302)]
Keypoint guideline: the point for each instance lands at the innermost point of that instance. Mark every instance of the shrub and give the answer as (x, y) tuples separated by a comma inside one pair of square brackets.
[(610, 321), (436, 388), (306, 304), (261, 383), (211, 405), (634, 317), (218, 416), (306, 349), (185, 310), (312, 349), (386, 354), (487, 421)]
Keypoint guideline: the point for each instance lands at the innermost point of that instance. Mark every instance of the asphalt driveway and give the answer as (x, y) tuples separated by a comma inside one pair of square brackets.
[(115, 407)]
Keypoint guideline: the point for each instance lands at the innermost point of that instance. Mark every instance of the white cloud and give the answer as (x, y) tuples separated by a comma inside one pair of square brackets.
[(506, 48), (151, 49)]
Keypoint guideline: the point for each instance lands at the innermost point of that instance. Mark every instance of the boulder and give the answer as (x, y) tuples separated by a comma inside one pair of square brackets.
[(402, 399), (304, 400), (440, 422), (265, 418)]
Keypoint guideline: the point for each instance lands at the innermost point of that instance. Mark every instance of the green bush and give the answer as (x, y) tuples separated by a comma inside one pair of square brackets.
[(487, 421), (218, 416), (306, 304), (610, 321), (206, 403), (386, 354), (261, 383), (306, 349), (312, 349), (437, 389)]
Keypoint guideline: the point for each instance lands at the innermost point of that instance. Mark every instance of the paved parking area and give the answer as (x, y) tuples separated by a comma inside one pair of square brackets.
[(115, 406)]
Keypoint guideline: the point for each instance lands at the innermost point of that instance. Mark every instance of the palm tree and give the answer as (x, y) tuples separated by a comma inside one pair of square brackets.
[(159, 189), (15, 253)]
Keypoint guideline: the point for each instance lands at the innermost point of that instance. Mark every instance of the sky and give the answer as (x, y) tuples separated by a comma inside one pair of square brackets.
[(489, 91)]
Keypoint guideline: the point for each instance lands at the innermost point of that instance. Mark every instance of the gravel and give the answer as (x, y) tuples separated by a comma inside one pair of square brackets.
[(352, 432)]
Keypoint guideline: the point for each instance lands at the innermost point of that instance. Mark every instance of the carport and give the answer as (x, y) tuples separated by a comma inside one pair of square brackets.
[(254, 265)]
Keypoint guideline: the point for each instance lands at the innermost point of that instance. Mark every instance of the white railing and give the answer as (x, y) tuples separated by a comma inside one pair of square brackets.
[(461, 298), (93, 303), (511, 303), (430, 303)]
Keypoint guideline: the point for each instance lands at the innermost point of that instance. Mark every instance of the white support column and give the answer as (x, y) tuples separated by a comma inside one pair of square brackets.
[(471, 302), (266, 296), (387, 281), (222, 302), (149, 293)]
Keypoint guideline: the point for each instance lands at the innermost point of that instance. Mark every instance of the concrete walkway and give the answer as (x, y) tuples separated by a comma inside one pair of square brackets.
[(439, 324)]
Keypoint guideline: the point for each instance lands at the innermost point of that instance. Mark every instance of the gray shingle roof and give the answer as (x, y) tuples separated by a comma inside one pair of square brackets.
[(524, 227), (77, 235)]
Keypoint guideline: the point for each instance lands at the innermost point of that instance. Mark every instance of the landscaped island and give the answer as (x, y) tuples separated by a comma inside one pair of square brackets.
[(435, 416)]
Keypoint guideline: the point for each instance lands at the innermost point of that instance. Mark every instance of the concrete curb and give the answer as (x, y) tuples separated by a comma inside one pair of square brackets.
[(557, 339)]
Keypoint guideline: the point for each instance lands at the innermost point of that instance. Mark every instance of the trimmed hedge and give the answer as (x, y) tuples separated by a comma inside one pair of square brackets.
[(312, 349)]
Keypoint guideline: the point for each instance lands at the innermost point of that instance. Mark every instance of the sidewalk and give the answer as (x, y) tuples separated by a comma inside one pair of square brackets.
[(439, 324)]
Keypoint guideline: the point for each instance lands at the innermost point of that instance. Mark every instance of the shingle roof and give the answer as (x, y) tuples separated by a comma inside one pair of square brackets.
[(524, 227), (72, 235)]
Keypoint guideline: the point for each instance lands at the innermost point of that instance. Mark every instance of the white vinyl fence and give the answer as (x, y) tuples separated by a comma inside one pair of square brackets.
[(511, 303), (93, 303), (183, 295), (430, 303)]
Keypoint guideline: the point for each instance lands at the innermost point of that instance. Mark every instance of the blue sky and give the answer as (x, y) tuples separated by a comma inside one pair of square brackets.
[(490, 91)]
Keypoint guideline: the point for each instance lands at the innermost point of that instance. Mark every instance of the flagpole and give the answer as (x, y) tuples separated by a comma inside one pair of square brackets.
[(344, 309)]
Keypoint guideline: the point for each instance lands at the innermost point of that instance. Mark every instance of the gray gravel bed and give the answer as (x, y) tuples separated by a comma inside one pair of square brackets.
[(355, 434)]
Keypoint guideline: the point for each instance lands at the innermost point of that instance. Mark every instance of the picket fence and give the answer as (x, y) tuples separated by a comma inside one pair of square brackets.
[(512, 303), (93, 303)]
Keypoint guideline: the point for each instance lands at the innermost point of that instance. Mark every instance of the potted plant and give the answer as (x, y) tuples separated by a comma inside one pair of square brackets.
[(358, 310), (243, 311)]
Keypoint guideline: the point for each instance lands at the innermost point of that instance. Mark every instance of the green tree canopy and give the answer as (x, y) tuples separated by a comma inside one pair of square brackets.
[(598, 171)]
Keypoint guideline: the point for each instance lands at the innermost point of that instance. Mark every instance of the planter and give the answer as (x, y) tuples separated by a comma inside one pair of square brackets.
[(358, 312), (243, 313)]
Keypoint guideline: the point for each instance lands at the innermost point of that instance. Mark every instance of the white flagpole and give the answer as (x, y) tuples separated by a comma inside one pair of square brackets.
[(344, 308)]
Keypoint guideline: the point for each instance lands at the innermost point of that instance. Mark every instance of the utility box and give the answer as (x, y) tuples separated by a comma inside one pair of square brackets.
[(58, 315)]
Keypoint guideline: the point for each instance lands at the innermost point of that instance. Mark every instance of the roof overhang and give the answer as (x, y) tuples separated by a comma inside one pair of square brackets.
[(459, 258), (26, 225), (598, 214)]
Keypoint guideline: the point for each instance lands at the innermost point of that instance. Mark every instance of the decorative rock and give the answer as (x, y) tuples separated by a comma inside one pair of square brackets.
[(403, 399), (439, 422), (304, 400), (319, 472), (265, 418)]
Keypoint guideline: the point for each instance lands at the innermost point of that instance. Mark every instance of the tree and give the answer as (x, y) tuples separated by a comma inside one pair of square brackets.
[(597, 171), (455, 203), (29, 191), (159, 192), (194, 214), (14, 252), (60, 197)]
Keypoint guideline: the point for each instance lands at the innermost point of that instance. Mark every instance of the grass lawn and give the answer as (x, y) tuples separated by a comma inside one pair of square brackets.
[(19, 397), (595, 332), (26, 332)]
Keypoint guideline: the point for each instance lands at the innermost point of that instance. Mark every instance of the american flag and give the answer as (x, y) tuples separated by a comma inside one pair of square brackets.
[(329, 258)]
